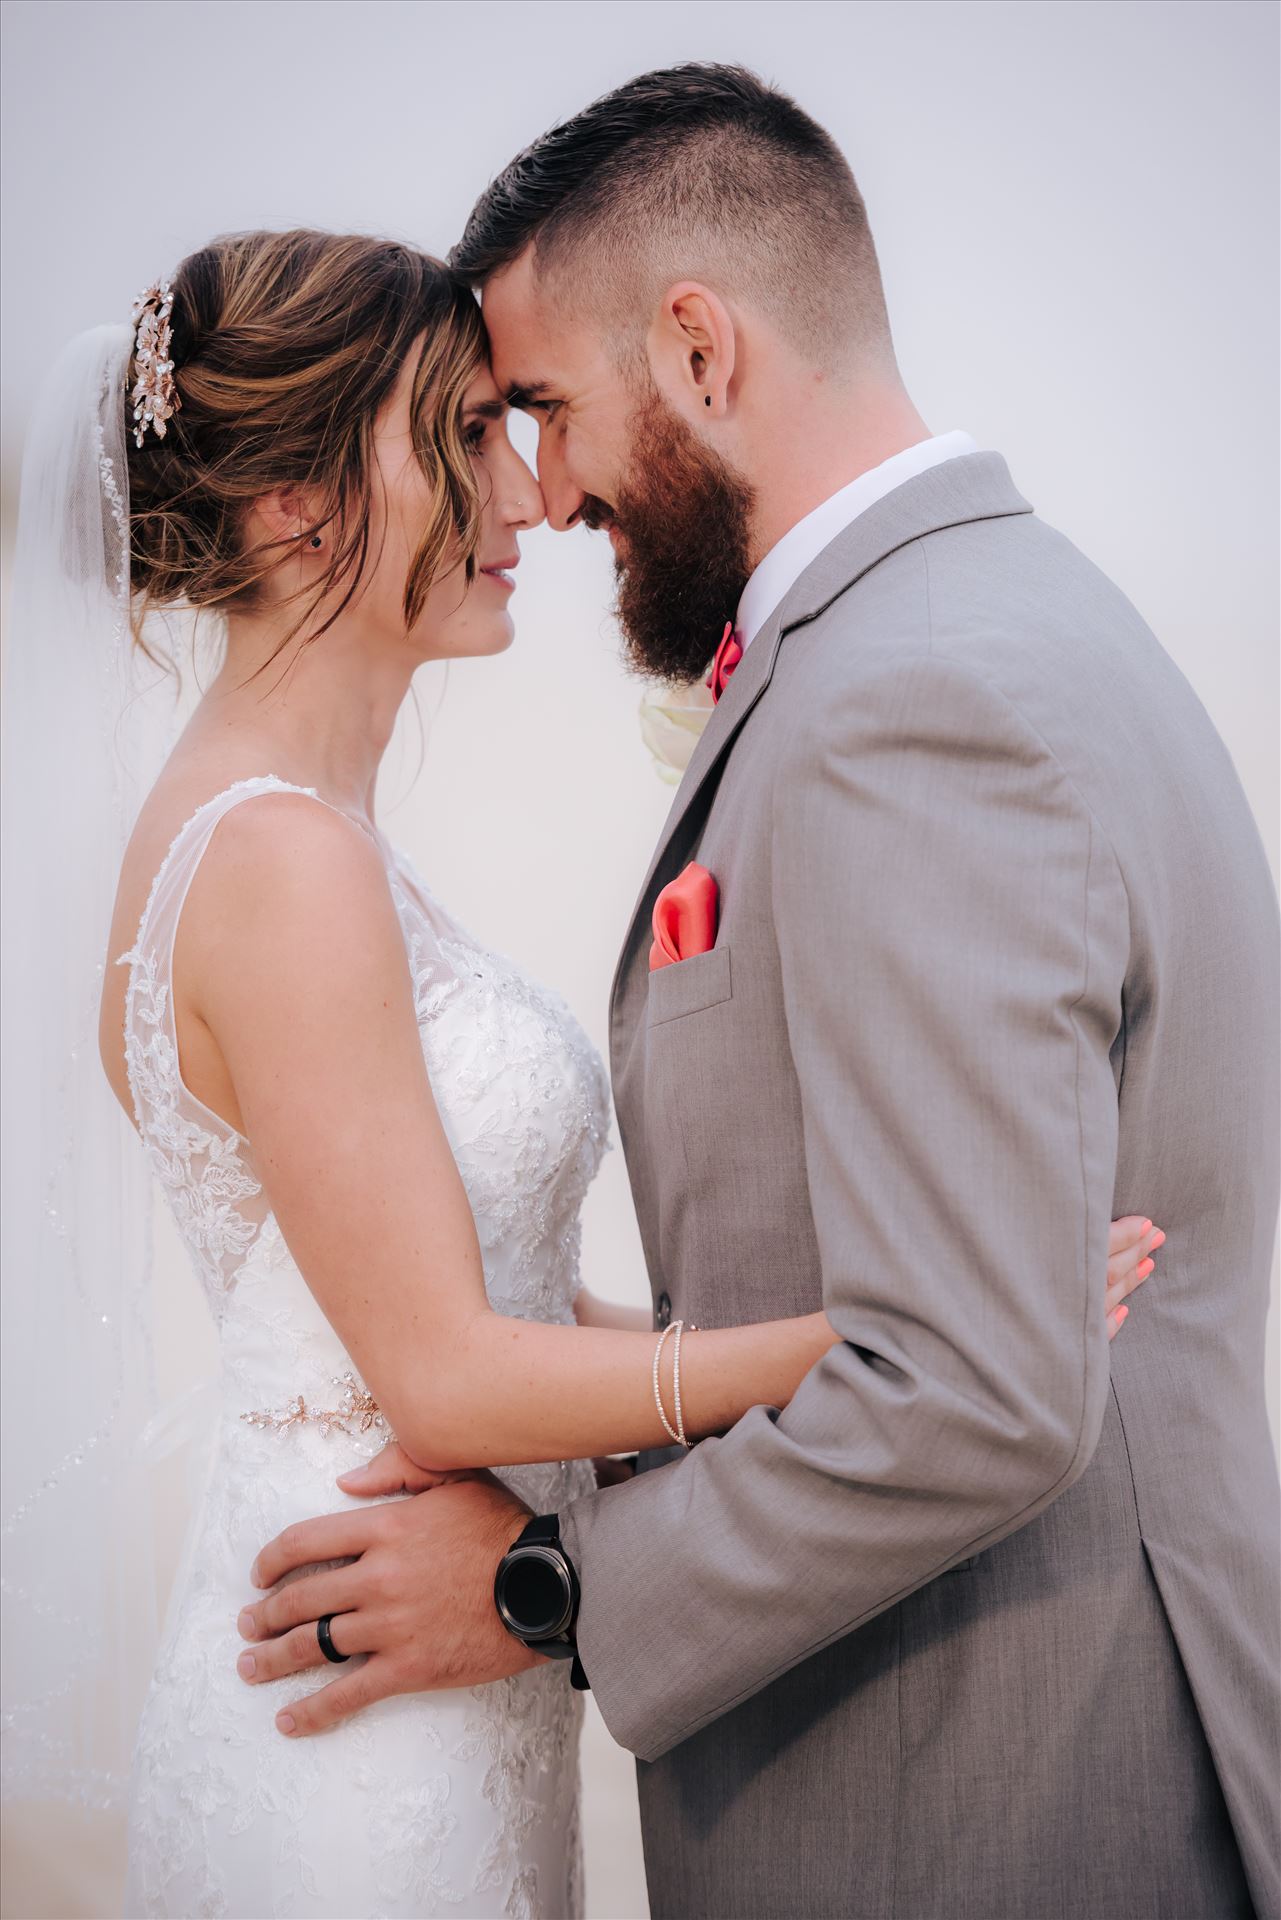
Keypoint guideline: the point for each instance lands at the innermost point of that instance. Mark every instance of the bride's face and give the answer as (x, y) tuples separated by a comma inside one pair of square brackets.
[(456, 620)]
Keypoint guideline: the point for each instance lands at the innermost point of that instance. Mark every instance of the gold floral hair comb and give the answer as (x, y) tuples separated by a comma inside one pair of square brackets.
[(155, 398)]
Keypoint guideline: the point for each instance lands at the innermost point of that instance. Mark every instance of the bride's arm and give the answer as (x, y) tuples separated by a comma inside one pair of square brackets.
[(291, 954)]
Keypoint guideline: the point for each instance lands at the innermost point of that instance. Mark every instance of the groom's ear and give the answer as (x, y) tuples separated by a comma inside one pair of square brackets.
[(692, 348)]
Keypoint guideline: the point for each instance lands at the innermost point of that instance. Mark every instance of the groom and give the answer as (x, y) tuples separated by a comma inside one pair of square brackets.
[(981, 1625)]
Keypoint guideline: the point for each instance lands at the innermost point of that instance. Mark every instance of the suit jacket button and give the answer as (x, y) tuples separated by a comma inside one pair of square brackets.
[(664, 1310)]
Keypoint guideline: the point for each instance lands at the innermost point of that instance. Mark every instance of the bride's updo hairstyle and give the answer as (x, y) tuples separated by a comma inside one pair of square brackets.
[(285, 347)]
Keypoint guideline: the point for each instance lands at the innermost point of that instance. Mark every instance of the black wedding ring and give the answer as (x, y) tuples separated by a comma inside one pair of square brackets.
[(326, 1640)]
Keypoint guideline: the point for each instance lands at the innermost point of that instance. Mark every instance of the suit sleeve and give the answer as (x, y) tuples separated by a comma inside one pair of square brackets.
[(952, 931)]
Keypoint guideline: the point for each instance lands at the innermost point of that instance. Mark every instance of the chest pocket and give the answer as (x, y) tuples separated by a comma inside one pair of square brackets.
[(688, 986)]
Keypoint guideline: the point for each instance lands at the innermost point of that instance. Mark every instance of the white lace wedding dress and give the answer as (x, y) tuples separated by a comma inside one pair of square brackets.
[(459, 1803)]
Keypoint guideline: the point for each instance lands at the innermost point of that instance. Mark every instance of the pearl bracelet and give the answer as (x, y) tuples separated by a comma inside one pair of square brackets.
[(676, 1434)]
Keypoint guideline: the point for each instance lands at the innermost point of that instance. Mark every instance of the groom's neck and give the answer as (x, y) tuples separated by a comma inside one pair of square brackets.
[(816, 437)]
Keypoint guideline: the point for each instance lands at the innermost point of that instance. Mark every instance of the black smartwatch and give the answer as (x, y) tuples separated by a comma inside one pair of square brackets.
[(536, 1593)]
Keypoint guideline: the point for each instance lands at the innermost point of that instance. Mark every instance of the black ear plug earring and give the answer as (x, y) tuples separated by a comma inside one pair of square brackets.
[(315, 541), (707, 399)]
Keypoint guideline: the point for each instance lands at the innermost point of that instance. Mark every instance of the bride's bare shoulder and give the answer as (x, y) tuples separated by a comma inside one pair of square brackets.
[(278, 859), (289, 927), (278, 854), (284, 874), (271, 831), (184, 789)]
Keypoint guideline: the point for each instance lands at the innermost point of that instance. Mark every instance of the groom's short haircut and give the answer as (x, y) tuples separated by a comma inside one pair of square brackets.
[(698, 172)]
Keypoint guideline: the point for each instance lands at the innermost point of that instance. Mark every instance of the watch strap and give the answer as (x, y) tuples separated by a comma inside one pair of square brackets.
[(542, 1531)]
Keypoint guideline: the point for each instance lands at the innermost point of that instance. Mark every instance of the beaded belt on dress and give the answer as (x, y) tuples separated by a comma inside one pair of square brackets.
[(357, 1406)]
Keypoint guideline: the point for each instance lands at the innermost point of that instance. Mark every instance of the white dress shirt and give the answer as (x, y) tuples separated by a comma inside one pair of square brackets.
[(788, 558)]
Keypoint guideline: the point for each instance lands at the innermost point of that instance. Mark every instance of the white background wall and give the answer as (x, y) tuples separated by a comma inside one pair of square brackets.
[(1076, 210)]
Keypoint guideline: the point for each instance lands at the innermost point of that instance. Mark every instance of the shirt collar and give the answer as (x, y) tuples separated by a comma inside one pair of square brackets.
[(788, 558)]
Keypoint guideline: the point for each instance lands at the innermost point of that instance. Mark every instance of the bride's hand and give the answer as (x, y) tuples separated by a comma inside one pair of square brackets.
[(392, 1471), (1132, 1241)]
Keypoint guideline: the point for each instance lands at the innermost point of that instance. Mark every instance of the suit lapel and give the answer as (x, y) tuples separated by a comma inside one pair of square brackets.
[(975, 486), (749, 682)]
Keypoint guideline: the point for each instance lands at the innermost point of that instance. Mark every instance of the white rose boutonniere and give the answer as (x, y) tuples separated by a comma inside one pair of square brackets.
[(672, 719)]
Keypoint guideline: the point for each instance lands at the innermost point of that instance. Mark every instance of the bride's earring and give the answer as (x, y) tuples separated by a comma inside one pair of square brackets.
[(315, 541)]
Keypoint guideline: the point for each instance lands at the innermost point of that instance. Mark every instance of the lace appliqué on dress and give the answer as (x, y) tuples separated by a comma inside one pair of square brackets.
[(202, 1172)]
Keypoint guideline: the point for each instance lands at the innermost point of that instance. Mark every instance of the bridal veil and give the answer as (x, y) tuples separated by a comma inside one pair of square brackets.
[(87, 721)]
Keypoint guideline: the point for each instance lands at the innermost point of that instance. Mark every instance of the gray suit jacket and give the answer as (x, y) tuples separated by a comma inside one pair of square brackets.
[(985, 1622)]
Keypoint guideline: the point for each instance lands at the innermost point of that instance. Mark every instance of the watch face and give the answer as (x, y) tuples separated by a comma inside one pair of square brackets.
[(534, 1594)]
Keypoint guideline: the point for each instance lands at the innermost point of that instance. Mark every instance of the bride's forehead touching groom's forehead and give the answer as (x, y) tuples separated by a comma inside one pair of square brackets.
[(516, 329), (535, 349)]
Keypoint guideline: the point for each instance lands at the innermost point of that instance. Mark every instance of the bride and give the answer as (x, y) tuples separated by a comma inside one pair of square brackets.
[(375, 1135)]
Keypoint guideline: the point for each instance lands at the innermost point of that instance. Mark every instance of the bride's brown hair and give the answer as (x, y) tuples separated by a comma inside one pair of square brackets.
[(285, 347)]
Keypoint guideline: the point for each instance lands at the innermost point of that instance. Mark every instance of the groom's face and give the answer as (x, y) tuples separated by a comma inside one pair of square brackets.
[(615, 456)]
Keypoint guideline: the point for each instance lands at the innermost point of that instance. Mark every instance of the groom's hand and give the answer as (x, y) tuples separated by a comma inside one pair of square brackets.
[(417, 1598)]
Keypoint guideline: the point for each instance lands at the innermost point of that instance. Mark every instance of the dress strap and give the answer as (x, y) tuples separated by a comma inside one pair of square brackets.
[(177, 869), (203, 1164)]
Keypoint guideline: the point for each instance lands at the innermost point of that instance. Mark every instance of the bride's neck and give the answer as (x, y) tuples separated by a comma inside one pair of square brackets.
[(322, 712)]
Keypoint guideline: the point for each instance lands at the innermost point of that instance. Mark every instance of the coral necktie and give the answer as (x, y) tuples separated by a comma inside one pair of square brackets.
[(728, 655)]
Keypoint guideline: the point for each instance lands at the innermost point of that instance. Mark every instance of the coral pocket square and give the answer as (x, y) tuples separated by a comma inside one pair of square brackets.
[(684, 917)]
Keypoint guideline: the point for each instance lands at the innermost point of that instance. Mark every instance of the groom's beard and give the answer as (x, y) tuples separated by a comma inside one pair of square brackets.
[(684, 524)]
